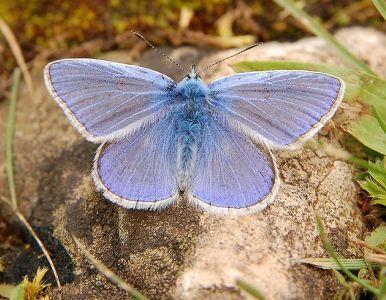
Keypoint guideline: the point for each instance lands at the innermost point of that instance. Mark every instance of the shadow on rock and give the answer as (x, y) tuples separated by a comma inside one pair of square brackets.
[(146, 248)]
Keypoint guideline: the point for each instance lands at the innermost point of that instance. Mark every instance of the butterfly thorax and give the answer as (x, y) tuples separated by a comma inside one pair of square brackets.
[(190, 115)]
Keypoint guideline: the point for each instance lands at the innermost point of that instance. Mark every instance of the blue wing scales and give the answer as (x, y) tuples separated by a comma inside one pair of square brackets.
[(107, 101), (284, 108), (232, 174), (140, 171)]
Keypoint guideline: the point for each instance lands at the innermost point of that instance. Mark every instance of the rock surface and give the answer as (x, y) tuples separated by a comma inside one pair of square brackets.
[(181, 252)]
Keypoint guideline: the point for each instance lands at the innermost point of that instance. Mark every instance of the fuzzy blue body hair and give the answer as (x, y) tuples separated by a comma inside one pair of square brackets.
[(191, 114)]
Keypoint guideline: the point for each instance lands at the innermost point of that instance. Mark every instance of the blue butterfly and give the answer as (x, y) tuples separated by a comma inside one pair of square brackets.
[(211, 143)]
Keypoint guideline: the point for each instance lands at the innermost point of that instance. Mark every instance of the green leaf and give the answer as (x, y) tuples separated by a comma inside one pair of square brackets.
[(379, 118), (368, 131), (379, 177), (371, 187), (379, 201), (375, 184), (6, 290), (377, 237), (361, 176), (17, 293), (330, 263)]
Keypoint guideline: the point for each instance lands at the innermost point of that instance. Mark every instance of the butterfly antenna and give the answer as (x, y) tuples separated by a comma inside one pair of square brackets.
[(233, 55), (160, 52)]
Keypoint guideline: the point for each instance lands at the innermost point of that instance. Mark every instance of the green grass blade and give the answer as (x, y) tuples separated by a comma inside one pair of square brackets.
[(10, 132), (314, 26), (330, 263), (254, 292), (13, 43), (381, 6), (328, 246)]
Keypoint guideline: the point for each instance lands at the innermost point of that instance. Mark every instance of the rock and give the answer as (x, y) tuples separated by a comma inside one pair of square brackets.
[(181, 252)]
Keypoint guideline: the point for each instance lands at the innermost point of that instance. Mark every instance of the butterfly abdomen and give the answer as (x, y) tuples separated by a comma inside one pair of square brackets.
[(191, 116)]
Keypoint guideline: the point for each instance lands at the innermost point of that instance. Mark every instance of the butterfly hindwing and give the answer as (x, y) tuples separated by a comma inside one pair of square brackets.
[(232, 174), (104, 100), (139, 171), (284, 108)]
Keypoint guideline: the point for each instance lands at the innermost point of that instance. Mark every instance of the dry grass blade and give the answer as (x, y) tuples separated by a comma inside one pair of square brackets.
[(10, 174), (367, 245), (1, 264), (108, 273), (41, 246), (376, 258), (37, 239), (16, 50)]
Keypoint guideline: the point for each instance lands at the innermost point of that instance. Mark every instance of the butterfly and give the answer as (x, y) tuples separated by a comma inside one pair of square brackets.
[(210, 143)]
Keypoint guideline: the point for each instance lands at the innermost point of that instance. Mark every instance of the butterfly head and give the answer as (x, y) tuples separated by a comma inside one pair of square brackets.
[(193, 74)]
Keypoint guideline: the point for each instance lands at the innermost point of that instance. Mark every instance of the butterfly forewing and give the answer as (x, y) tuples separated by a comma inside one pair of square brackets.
[(284, 108), (106, 100)]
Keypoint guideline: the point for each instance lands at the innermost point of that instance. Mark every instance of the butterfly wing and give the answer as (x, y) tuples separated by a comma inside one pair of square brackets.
[(284, 108), (104, 100), (139, 171), (232, 174)]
